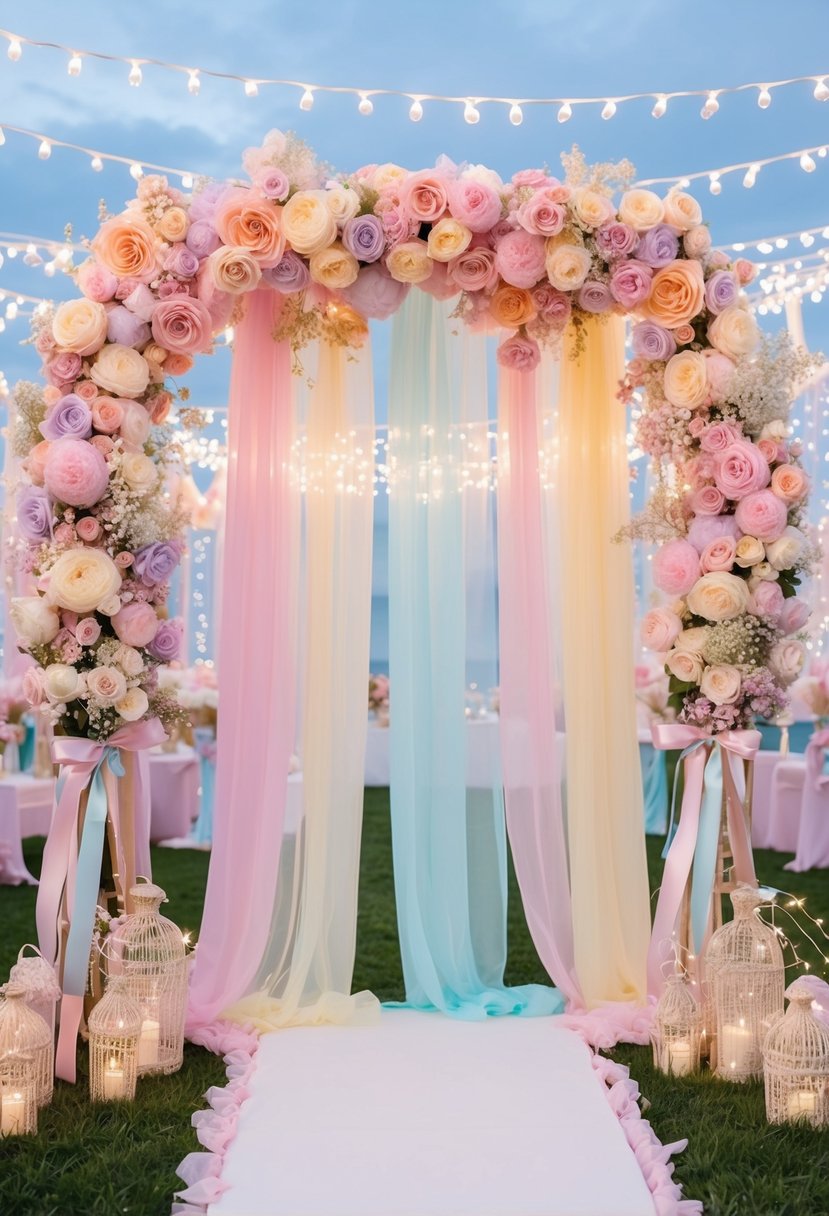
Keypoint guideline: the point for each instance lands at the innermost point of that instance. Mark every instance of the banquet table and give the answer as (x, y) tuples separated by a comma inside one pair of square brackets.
[(174, 792)]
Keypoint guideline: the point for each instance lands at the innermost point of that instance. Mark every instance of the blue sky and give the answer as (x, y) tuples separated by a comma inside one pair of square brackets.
[(526, 47)]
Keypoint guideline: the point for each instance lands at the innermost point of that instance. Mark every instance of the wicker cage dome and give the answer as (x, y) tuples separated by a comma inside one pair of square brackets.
[(24, 1032), (796, 1062)]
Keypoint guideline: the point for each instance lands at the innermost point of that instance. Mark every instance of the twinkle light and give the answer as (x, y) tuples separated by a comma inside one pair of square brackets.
[(471, 114), (136, 75), (516, 114), (711, 106), (45, 149), (74, 65), (96, 163), (751, 176), (306, 101), (416, 110), (714, 183), (660, 107), (194, 83), (807, 164), (15, 49), (565, 112), (2, 137), (187, 181), (251, 88), (366, 105), (764, 97), (136, 172), (608, 109), (821, 92)]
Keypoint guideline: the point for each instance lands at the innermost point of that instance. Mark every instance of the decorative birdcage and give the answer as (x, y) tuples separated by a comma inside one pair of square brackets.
[(24, 1032), (676, 1031), (745, 977), (114, 1031), (149, 950), (40, 981), (18, 1095), (796, 1063)]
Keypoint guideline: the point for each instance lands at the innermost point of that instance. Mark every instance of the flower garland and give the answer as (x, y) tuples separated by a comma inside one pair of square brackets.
[(528, 256)]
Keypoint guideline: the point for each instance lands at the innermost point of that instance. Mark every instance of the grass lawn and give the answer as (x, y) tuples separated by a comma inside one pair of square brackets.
[(101, 1161)]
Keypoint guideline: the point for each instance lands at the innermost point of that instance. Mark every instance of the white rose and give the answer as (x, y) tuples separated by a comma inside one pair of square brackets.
[(80, 325), (784, 552), (750, 551), (590, 209), (693, 640), (62, 683), (642, 209), (763, 572), (567, 265), (786, 659), (343, 203), (135, 424), (307, 223), (697, 242), (129, 660), (110, 606), (139, 472), (387, 175), (682, 211), (121, 370), (776, 430), (721, 684), (483, 175), (133, 705), (235, 270), (686, 379), (685, 665), (107, 685), (81, 579), (734, 332), (718, 596), (35, 620)]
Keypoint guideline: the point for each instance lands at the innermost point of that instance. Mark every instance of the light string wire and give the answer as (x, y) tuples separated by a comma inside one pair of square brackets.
[(252, 83)]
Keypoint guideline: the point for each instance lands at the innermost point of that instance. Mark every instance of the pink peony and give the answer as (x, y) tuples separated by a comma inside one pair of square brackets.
[(719, 370), (676, 567), (718, 554), (183, 324), (520, 258), (96, 282), (768, 600), (75, 473), (660, 629), (474, 204), (705, 528), (136, 624), (762, 514), (741, 469), (794, 615), (519, 354)]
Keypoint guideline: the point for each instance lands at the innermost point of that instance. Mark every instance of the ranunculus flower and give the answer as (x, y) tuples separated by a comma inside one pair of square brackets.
[(87, 631), (630, 283), (762, 514), (719, 596), (720, 291), (334, 267), (682, 211), (675, 567), (424, 196), (121, 370), (595, 296), (62, 683), (749, 552), (80, 326), (783, 553), (658, 247), (307, 222), (106, 685), (167, 643), (615, 240), (126, 245), (734, 332), (474, 269), (475, 204), (183, 324), (36, 621), (677, 294), (642, 209), (244, 221), (786, 659), (34, 513), (567, 264), (789, 482), (409, 262), (133, 705), (139, 472), (69, 418), (135, 624), (707, 500), (156, 562), (653, 342), (75, 473), (718, 554), (363, 236), (768, 600), (172, 225), (519, 354), (685, 665), (96, 281), (660, 629), (202, 238), (794, 616), (721, 684), (697, 242), (374, 293), (511, 306), (741, 469), (81, 579), (233, 271), (685, 380)]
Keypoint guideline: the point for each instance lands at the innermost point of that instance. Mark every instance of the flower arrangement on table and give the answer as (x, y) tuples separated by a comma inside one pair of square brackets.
[(196, 690), (378, 695), (813, 690), (13, 707), (653, 690)]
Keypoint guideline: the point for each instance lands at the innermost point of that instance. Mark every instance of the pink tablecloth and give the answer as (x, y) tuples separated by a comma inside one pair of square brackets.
[(174, 793), (25, 810), (786, 796), (765, 764), (813, 830)]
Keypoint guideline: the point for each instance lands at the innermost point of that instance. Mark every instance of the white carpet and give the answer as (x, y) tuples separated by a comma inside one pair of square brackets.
[(423, 1115)]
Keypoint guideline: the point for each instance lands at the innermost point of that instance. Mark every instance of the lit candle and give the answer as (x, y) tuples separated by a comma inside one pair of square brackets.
[(737, 1049), (12, 1114), (802, 1102), (148, 1043), (114, 1081), (679, 1057)]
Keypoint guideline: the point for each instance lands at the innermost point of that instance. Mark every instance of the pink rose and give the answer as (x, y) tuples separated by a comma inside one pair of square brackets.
[(52, 394), (87, 390), (88, 529), (140, 300), (683, 334), (102, 444), (474, 204), (64, 534), (135, 424), (660, 629), (718, 260), (552, 305), (124, 559), (719, 369), (87, 631), (790, 483), (96, 282), (33, 685), (696, 426), (718, 437), (745, 271), (135, 624), (769, 450), (519, 354), (762, 514), (718, 554), (707, 500), (474, 269), (794, 615), (107, 415), (183, 324), (741, 469), (630, 283), (35, 462), (537, 179), (520, 258), (768, 600), (541, 215), (676, 567), (705, 528), (424, 196), (697, 241), (75, 473), (64, 368)]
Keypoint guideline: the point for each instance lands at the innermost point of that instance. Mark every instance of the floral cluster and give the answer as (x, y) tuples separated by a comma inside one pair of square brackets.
[(13, 706), (378, 693), (652, 691), (813, 690)]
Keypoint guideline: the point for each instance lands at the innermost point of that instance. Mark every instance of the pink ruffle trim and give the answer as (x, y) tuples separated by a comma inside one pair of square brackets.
[(604, 1027), (215, 1128)]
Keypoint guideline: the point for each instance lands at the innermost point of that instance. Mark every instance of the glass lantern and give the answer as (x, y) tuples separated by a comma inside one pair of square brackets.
[(745, 976), (676, 1032), (149, 950), (18, 1095), (796, 1063), (114, 1030), (40, 981), (24, 1032)]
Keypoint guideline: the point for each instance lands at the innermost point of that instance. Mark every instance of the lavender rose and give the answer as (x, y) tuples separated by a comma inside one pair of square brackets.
[(615, 241), (652, 341), (274, 184), (126, 327), (630, 283), (202, 238), (156, 562), (595, 296), (658, 246), (182, 261), (69, 418), (289, 274), (166, 645), (720, 291), (364, 237), (34, 513)]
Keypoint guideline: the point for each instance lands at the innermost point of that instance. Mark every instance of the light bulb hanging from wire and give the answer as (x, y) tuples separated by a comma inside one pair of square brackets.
[(714, 183), (608, 109), (660, 107), (15, 49), (711, 106), (194, 83), (416, 110), (751, 176), (136, 75), (565, 112), (516, 114), (45, 149), (807, 164), (821, 92), (251, 88), (366, 105), (764, 98), (306, 101), (74, 66), (471, 114)]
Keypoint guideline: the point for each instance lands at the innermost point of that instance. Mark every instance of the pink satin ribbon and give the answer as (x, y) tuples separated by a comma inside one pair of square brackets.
[(674, 736), (814, 758)]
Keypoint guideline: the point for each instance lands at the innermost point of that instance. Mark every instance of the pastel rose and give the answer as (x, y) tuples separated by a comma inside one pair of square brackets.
[(244, 221), (87, 631), (705, 528), (64, 368), (719, 369), (88, 529), (685, 382), (697, 426), (783, 553), (769, 449), (697, 242), (642, 209), (794, 616), (33, 686), (658, 247), (511, 307), (541, 215), (423, 196), (133, 705), (135, 624), (676, 567), (677, 294), (745, 271), (181, 261), (567, 265), (719, 596), (343, 203), (135, 425), (107, 415), (62, 683), (96, 281), (409, 262), (652, 342), (734, 332), (139, 472), (777, 430), (363, 236), (682, 211), (718, 555), (110, 605), (768, 600), (660, 629), (789, 482), (718, 437), (80, 326), (234, 270), (519, 354), (553, 305), (167, 643), (334, 267), (65, 534), (273, 183), (177, 364), (129, 660), (75, 473), (106, 684), (741, 470), (590, 209), (388, 174), (126, 245), (720, 291), (183, 324), (684, 334), (693, 640), (762, 514), (81, 579), (374, 293), (474, 269), (786, 659), (594, 296), (749, 552), (721, 684), (51, 394), (718, 260), (121, 370), (475, 204), (202, 238), (173, 224), (447, 239), (36, 621), (615, 240), (707, 500), (102, 444), (125, 327), (630, 283), (763, 571), (124, 560), (686, 665)]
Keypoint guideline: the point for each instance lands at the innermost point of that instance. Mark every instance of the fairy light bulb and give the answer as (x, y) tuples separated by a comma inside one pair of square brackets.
[(306, 101), (49, 269), (15, 50), (136, 172), (751, 176), (12, 253), (251, 88), (714, 183), (193, 83), (187, 181), (608, 109), (74, 65), (2, 137), (764, 98), (366, 105), (516, 114), (96, 164), (821, 152), (45, 149), (136, 75), (711, 105), (565, 112), (807, 163), (470, 113), (660, 107), (821, 92), (416, 110)]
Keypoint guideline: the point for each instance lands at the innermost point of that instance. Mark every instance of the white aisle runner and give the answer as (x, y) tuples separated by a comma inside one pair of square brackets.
[(423, 1115)]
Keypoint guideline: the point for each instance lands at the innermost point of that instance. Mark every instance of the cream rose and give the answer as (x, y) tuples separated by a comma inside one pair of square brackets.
[(139, 472), (388, 175), (682, 211), (763, 572), (342, 203), (62, 683), (80, 326), (721, 684), (693, 640), (334, 266), (35, 620), (718, 596), (133, 705), (121, 370), (234, 269), (642, 209), (776, 430), (129, 660), (107, 685), (589, 208), (409, 262), (750, 551), (568, 265), (81, 579), (173, 224), (786, 659), (686, 665), (782, 553), (734, 332), (307, 222), (447, 239), (686, 379)]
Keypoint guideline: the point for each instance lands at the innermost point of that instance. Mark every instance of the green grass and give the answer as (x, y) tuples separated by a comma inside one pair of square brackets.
[(102, 1161)]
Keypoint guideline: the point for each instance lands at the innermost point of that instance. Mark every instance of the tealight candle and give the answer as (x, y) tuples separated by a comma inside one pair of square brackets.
[(114, 1081), (148, 1043), (802, 1102), (737, 1049), (679, 1057), (12, 1113)]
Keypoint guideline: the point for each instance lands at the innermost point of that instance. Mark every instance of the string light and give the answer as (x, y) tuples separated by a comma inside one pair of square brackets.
[(751, 176), (15, 49), (96, 163), (136, 75), (807, 164), (660, 107), (251, 88), (74, 66), (416, 110), (609, 109), (136, 172), (711, 106), (764, 97), (47, 142), (471, 114), (516, 114), (565, 112), (821, 92), (194, 82), (714, 183), (306, 101), (45, 149), (366, 105), (818, 149)]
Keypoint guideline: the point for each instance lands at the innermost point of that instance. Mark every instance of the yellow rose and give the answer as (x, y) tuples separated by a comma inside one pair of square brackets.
[(686, 380), (234, 270), (409, 262), (81, 579), (685, 665), (173, 224), (734, 332), (121, 370), (682, 211), (750, 551), (642, 209), (589, 208), (511, 306), (567, 264), (139, 472), (718, 596), (334, 267), (307, 223), (721, 684), (447, 239), (133, 705), (343, 203), (80, 326)]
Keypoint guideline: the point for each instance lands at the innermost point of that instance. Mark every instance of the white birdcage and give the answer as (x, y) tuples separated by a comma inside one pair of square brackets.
[(18, 1095), (796, 1063), (24, 1032), (676, 1031), (150, 951), (745, 977), (114, 1030), (39, 980)]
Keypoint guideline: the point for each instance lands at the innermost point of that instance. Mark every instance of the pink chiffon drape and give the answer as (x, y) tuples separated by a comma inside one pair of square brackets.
[(257, 649)]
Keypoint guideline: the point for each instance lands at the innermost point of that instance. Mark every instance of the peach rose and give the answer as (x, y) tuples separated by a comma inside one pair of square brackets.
[(447, 239), (589, 208), (749, 552), (721, 684), (126, 246), (334, 266), (682, 211), (409, 262), (173, 225), (177, 364), (307, 223), (35, 462), (677, 294), (568, 265), (686, 665), (511, 306), (719, 596), (423, 196), (234, 270), (641, 209), (343, 203), (80, 326), (241, 219), (734, 332), (789, 482), (686, 380), (107, 415)]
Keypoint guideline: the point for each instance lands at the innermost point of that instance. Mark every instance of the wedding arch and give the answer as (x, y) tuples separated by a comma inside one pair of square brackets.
[(298, 264)]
